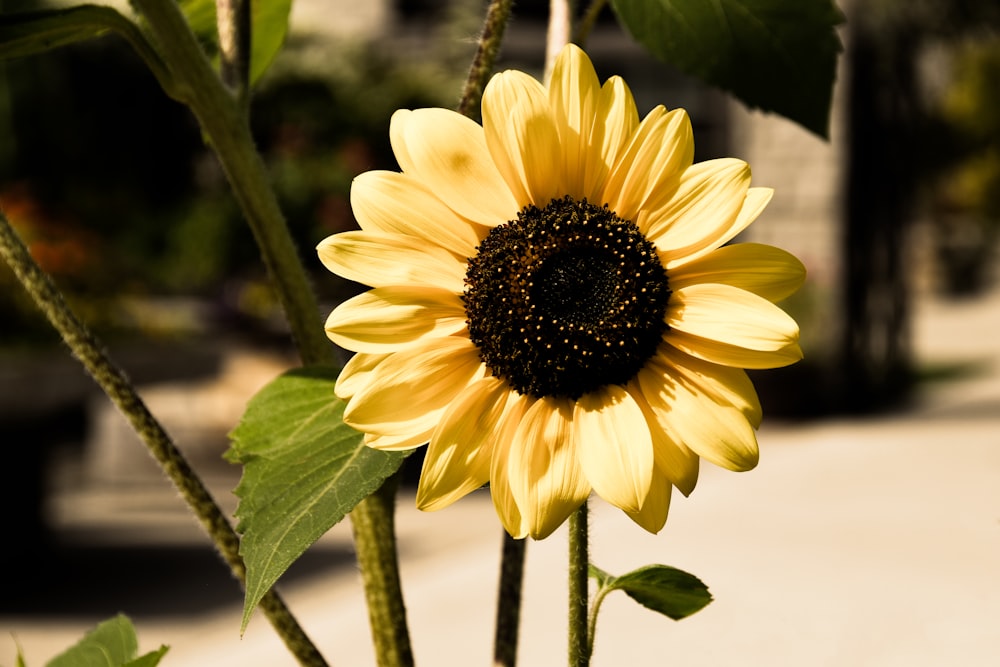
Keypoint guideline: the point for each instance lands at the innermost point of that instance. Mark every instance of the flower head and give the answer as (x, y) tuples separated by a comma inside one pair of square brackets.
[(554, 309)]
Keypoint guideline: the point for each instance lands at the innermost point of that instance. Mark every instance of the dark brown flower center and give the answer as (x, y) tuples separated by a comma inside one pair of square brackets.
[(566, 299)]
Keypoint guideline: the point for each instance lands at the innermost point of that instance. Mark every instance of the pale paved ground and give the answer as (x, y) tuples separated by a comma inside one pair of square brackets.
[(855, 542)]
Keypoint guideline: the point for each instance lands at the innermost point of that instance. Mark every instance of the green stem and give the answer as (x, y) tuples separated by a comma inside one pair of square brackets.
[(587, 22), (375, 541), (579, 653), (592, 618), (119, 389), (509, 602), (490, 39)]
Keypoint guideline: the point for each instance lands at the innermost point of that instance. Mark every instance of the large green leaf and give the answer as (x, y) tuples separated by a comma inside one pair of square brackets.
[(778, 55), (269, 21), (111, 644), (303, 471), (27, 33), (664, 589)]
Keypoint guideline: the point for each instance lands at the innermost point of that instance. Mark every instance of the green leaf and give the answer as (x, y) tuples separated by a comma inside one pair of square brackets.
[(27, 33), (269, 21), (304, 470), (664, 589), (151, 659), (112, 643), (778, 55)]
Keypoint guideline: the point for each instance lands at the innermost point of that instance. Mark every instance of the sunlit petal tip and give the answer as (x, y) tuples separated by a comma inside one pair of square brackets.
[(546, 479), (653, 514)]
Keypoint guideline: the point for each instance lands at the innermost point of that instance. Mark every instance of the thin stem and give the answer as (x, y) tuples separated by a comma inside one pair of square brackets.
[(592, 618), (579, 654), (490, 39), (560, 21), (587, 22), (375, 541), (119, 389), (509, 602)]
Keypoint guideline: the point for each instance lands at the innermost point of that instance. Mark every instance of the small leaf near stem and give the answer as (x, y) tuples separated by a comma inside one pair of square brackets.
[(579, 646), (664, 589)]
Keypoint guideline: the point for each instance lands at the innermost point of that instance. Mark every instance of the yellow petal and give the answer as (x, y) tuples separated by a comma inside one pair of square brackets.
[(398, 442), (673, 459), (730, 315), (700, 212), (461, 448), (409, 390), (546, 479), (762, 269), (660, 149), (503, 500), (447, 152), (394, 203), (616, 107), (356, 373), (616, 450), (733, 355), (726, 385), (523, 138), (718, 433), (653, 514), (573, 95), (383, 260), (388, 319)]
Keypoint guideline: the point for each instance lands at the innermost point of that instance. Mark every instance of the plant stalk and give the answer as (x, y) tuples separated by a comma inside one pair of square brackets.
[(579, 647), (509, 602), (497, 16), (375, 541)]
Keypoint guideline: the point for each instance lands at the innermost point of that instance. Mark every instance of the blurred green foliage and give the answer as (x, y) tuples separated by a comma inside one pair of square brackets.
[(111, 186)]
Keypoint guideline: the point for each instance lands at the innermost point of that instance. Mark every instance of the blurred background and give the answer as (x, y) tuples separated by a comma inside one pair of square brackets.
[(109, 183)]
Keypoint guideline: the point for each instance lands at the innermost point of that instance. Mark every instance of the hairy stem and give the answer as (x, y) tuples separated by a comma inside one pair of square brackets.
[(122, 393), (509, 602), (490, 39), (375, 541), (579, 653)]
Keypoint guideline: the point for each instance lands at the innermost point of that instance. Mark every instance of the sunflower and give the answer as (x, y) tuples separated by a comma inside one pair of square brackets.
[(554, 310)]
